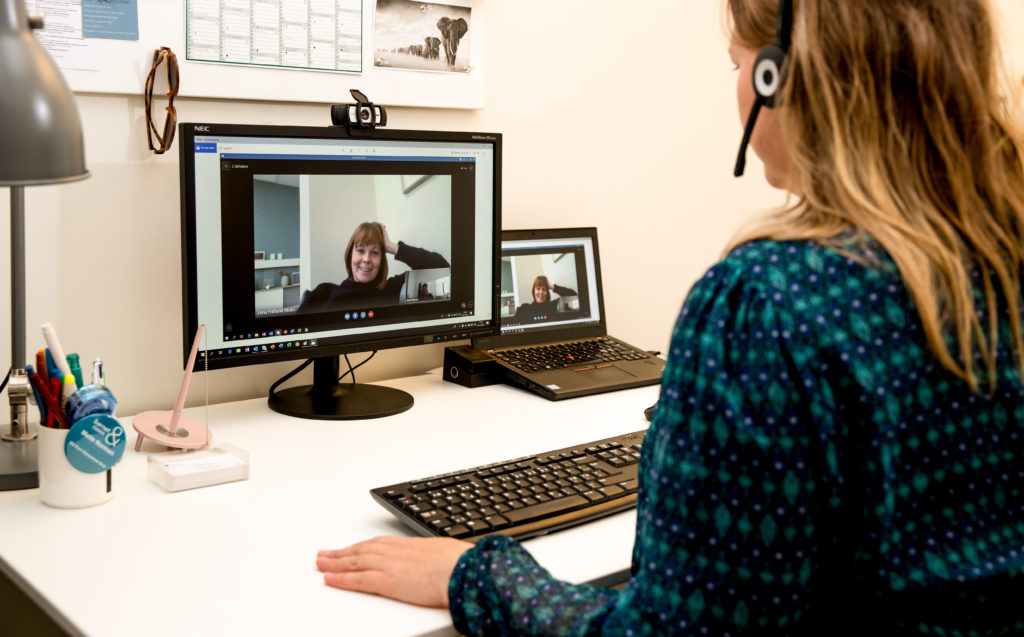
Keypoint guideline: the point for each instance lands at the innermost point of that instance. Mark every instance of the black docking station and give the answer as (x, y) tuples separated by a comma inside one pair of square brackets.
[(470, 367)]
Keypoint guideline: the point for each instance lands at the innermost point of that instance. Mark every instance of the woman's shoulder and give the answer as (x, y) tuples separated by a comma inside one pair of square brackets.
[(809, 291), (785, 264), (798, 276)]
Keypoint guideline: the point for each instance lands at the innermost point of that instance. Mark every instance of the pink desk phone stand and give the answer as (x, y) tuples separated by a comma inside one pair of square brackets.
[(171, 428)]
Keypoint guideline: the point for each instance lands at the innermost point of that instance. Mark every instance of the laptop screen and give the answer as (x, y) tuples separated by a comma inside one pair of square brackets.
[(550, 281)]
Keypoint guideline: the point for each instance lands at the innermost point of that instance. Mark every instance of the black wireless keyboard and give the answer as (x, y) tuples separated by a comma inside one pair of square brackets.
[(523, 497)]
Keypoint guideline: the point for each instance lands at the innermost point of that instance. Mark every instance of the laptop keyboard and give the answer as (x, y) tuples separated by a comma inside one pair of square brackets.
[(522, 497), (597, 352)]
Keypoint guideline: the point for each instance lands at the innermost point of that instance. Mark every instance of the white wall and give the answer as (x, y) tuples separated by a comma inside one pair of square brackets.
[(613, 116)]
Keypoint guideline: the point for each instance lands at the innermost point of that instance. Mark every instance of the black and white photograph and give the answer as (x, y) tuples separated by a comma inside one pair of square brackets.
[(422, 36)]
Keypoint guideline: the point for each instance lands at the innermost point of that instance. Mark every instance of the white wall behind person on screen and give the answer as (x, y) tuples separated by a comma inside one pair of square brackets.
[(632, 129)]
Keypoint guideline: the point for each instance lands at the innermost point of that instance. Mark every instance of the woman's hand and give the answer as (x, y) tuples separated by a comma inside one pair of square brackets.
[(409, 569), (389, 246)]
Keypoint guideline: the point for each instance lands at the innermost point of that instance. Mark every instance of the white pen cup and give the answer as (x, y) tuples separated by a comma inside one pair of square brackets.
[(63, 486)]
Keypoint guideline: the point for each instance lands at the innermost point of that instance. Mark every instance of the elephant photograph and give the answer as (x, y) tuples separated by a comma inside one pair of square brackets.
[(421, 36)]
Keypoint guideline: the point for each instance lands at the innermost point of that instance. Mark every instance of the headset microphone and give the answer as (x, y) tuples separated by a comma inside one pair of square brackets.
[(741, 159), (767, 77)]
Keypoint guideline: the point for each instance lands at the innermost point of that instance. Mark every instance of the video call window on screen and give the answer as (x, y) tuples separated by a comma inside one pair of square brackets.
[(543, 286), (322, 230), (292, 211)]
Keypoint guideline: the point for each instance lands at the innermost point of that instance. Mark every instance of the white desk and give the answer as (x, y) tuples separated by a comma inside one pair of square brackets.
[(239, 558)]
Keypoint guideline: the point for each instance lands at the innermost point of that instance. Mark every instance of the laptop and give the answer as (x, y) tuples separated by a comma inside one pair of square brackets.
[(553, 337)]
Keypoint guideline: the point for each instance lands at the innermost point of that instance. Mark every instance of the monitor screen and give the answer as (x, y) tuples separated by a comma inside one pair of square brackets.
[(548, 282), (308, 242)]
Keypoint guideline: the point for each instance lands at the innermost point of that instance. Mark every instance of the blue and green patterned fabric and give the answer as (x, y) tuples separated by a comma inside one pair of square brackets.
[(810, 470)]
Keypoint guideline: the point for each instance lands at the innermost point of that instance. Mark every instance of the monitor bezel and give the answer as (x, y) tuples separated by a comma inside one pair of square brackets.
[(188, 131)]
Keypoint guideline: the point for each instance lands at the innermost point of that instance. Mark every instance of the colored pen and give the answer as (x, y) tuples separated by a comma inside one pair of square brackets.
[(52, 404), (41, 366), (56, 350), (76, 369), (53, 410), (52, 371), (67, 389), (56, 393), (35, 382)]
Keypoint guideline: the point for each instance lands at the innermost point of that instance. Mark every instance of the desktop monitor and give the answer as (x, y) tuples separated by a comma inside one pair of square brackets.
[(312, 243)]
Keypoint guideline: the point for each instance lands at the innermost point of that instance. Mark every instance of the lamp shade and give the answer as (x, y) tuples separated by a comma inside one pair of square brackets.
[(40, 129)]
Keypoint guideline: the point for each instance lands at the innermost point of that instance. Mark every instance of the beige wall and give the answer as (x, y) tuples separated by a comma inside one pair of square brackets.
[(615, 115)]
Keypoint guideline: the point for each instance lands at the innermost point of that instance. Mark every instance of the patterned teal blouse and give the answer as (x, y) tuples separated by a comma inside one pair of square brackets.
[(810, 470)]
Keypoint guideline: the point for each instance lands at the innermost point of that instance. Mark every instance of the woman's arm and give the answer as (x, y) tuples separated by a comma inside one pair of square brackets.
[(418, 258), (563, 291)]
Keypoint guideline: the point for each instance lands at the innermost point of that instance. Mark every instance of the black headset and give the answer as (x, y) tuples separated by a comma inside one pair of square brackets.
[(767, 76)]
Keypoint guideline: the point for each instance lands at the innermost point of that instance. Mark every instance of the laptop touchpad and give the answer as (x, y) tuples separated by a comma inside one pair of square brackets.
[(601, 375)]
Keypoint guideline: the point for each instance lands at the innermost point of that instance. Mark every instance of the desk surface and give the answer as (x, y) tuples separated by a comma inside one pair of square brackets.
[(239, 558)]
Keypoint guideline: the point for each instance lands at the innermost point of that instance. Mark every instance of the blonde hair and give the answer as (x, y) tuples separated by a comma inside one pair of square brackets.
[(369, 233), (898, 131)]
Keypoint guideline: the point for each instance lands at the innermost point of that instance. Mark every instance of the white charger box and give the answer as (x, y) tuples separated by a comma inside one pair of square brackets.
[(215, 464)]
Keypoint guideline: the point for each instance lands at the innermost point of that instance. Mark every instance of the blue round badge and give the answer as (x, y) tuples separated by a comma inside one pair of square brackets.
[(95, 443)]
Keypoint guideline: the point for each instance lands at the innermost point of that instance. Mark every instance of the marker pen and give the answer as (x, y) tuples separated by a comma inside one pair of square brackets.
[(52, 369), (54, 411), (57, 351), (76, 369), (41, 366), (67, 389), (36, 383)]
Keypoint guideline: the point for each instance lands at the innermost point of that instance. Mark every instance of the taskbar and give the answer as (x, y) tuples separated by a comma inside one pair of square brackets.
[(262, 348), (453, 332)]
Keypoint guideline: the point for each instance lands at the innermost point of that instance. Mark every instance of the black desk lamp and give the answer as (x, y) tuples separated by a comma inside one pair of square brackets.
[(40, 143)]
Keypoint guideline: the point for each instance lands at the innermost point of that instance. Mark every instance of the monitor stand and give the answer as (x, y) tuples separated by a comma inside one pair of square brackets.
[(327, 399)]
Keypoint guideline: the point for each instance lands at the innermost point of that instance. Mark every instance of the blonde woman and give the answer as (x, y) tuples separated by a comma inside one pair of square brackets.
[(839, 442)]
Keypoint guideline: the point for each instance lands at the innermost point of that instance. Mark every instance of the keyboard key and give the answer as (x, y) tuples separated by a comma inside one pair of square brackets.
[(497, 521), (544, 508), (457, 531), (611, 490)]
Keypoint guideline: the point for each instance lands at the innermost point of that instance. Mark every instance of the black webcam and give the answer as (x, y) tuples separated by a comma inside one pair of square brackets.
[(362, 115)]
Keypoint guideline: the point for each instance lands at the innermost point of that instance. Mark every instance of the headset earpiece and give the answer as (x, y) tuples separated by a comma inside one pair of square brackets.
[(767, 74)]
